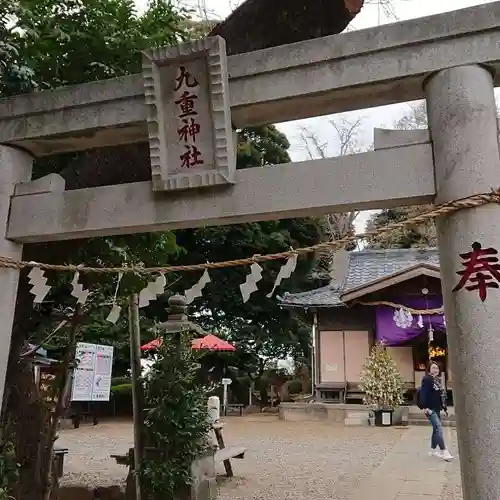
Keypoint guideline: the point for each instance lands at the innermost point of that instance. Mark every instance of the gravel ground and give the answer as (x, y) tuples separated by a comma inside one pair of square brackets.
[(88, 462), (284, 461), (297, 460)]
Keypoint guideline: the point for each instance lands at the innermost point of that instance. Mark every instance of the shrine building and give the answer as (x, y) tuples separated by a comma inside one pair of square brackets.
[(385, 295)]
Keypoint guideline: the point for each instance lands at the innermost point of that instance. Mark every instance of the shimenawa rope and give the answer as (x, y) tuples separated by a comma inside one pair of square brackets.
[(446, 208), (387, 303)]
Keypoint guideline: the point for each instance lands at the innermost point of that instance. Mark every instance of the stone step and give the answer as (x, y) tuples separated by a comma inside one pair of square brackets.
[(421, 421), (356, 418), (355, 422), (414, 413), (421, 416)]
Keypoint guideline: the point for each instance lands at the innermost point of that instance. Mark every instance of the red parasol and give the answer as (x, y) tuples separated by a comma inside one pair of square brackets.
[(213, 343), (210, 342), (151, 346)]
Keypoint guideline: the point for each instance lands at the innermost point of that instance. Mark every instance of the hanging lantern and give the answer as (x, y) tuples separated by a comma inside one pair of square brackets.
[(431, 334)]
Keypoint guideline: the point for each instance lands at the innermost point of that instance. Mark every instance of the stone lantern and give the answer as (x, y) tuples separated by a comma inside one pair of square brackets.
[(178, 320)]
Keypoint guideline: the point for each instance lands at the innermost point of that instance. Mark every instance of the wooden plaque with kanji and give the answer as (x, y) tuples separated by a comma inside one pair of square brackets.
[(189, 115)]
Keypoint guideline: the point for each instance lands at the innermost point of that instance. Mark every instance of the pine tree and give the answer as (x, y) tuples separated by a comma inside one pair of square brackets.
[(418, 235), (381, 380)]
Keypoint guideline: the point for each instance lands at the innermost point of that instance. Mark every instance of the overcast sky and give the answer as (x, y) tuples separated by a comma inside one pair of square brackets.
[(371, 15)]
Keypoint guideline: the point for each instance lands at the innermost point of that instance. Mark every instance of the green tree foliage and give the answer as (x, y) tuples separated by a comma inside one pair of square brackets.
[(265, 145), (50, 44), (421, 235), (177, 426), (259, 326)]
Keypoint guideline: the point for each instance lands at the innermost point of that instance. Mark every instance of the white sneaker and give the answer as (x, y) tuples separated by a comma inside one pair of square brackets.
[(447, 456), (436, 453)]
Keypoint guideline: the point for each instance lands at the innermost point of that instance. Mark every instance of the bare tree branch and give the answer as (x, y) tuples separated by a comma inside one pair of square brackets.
[(314, 148), (345, 141), (347, 135)]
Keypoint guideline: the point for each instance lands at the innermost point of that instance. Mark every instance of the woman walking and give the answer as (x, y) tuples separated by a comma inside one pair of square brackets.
[(432, 399)]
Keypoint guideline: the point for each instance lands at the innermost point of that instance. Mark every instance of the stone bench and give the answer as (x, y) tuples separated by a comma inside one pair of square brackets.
[(225, 454), (234, 409), (122, 459), (230, 452)]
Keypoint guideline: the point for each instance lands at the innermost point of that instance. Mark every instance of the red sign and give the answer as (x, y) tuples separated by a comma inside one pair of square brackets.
[(482, 270)]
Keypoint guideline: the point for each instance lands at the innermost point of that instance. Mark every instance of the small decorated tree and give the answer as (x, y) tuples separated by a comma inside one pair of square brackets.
[(176, 424), (381, 380)]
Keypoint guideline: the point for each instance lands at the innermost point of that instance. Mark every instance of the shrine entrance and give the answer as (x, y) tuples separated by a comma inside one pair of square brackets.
[(425, 351), (436, 350), (451, 60)]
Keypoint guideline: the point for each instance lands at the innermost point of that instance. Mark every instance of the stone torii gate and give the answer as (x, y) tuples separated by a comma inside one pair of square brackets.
[(450, 59)]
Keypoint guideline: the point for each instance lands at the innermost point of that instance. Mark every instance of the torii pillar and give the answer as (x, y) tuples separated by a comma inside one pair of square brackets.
[(464, 130), (15, 166)]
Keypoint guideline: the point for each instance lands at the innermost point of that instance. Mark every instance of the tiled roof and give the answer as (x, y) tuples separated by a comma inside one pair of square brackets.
[(365, 267)]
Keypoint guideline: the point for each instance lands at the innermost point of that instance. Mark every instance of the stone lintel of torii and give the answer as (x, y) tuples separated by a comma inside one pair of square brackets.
[(384, 178), (450, 59), (353, 70)]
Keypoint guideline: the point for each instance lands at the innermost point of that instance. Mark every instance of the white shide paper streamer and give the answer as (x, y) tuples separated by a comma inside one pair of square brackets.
[(39, 283), (114, 314), (250, 284), (286, 272), (339, 265), (78, 292), (152, 290), (196, 290)]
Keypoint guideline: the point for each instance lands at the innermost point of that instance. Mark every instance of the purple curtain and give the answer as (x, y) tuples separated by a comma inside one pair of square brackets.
[(396, 331)]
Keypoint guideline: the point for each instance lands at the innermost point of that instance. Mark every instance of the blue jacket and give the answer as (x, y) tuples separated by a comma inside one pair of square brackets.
[(431, 395)]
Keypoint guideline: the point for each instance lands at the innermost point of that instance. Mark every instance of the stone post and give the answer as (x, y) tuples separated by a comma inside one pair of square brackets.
[(463, 126), (15, 166)]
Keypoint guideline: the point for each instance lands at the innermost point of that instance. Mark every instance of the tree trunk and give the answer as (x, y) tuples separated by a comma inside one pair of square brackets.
[(29, 424), (60, 383)]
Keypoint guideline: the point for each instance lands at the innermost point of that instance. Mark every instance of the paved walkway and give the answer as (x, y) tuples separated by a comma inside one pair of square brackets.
[(409, 473)]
